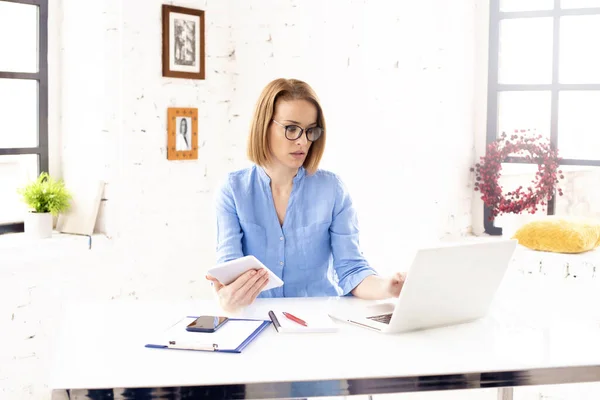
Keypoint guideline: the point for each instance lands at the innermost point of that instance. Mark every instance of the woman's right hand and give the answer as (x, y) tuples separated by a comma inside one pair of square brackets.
[(242, 291)]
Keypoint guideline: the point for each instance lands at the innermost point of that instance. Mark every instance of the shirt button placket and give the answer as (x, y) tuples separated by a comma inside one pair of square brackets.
[(281, 250)]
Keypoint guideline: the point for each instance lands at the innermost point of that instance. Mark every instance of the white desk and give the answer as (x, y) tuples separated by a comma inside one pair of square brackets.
[(101, 346)]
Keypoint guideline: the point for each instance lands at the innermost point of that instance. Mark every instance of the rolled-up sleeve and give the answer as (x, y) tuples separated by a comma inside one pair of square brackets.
[(229, 231), (348, 260)]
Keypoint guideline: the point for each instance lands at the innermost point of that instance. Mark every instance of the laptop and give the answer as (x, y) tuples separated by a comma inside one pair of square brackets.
[(445, 285)]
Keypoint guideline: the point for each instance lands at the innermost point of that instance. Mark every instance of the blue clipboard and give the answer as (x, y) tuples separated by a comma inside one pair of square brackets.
[(214, 347)]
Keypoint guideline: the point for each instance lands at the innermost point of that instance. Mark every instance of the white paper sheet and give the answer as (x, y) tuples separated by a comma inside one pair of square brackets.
[(317, 323), (232, 334)]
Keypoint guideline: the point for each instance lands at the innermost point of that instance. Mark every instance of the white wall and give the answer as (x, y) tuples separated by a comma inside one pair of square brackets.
[(396, 80)]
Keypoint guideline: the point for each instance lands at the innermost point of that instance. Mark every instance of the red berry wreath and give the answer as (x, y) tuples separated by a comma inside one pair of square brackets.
[(533, 149)]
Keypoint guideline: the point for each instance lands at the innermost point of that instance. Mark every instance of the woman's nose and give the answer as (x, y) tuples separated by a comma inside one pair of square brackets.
[(302, 139)]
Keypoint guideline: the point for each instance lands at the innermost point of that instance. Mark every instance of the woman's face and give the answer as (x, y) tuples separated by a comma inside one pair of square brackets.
[(285, 152)]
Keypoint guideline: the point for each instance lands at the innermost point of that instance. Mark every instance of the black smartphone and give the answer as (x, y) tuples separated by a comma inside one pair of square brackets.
[(206, 323)]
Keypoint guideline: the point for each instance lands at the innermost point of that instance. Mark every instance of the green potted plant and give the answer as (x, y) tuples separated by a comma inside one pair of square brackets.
[(45, 197)]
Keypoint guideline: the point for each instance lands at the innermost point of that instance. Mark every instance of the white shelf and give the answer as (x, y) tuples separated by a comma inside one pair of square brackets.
[(19, 242)]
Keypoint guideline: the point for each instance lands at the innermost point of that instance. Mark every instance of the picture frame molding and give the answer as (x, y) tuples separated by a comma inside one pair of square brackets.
[(167, 9), (172, 152)]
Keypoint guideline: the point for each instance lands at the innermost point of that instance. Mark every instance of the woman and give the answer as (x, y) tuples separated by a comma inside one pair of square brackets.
[(289, 214), (182, 142)]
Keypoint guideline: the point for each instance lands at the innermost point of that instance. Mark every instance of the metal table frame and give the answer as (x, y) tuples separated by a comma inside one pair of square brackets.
[(504, 380)]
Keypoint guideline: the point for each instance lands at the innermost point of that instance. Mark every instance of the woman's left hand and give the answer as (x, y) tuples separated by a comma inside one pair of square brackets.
[(394, 284)]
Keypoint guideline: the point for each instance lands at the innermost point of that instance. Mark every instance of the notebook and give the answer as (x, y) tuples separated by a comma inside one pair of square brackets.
[(232, 337), (316, 323)]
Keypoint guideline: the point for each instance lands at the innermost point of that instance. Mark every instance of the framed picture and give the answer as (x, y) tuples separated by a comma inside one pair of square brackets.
[(183, 42), (182, 134)]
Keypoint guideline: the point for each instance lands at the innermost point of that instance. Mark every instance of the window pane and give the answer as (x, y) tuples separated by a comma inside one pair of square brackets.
[(18, 113), (524, 110), (579, 3), (18, 37), (525, 51), (579, 125), (581, 192), (526, 5), (579, 51), (15, 171)]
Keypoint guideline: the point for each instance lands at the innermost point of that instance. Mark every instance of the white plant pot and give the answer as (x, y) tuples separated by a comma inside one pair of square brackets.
[(38, 225)]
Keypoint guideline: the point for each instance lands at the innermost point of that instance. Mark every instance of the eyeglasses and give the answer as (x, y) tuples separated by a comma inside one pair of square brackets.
[(293, 132)]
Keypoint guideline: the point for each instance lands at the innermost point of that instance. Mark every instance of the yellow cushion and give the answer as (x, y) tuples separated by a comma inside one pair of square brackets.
[(559, 235)]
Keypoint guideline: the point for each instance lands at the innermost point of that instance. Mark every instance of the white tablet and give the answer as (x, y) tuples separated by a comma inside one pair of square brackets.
[(228, 272)]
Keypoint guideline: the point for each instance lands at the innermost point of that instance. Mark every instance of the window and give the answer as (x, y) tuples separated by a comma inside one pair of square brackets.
[(23, 103), (544, 75)]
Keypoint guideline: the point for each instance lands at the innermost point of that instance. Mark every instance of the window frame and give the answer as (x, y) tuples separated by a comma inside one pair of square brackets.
[(42, 78), (494, 87)]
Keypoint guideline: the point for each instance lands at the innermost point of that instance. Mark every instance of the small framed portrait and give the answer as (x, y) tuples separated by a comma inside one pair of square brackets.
[(183, 42), (182, 134)]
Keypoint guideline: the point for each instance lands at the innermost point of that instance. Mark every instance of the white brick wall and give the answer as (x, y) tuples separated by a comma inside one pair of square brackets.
[(396, 80)]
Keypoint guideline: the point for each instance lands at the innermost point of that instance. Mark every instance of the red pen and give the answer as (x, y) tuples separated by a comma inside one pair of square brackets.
[(295, 319)]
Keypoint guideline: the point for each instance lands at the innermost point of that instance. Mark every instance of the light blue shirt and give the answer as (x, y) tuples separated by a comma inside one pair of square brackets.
[(316, 252)]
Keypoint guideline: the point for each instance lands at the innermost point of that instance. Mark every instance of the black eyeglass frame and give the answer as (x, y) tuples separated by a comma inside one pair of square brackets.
[(302, 131)]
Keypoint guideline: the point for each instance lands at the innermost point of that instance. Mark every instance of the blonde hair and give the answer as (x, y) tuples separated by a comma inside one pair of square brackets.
[(283, 89)]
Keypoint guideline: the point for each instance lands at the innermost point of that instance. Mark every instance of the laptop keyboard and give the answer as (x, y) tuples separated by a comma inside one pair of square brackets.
[(383, 318)]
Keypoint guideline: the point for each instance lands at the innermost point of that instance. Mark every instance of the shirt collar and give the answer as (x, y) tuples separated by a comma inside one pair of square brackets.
[(265, 178), (299, 175)]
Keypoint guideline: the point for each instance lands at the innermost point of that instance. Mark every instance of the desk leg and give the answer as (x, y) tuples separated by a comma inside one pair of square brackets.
[(505, 393)]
